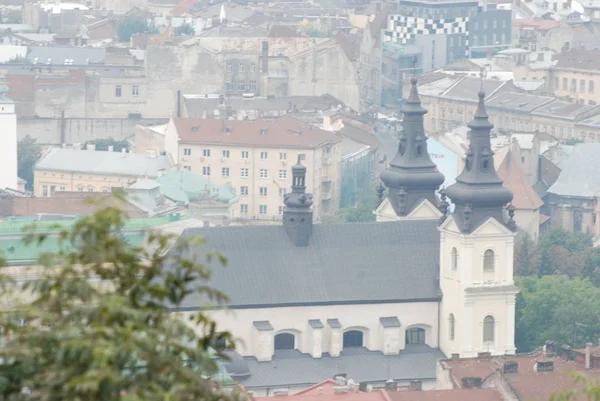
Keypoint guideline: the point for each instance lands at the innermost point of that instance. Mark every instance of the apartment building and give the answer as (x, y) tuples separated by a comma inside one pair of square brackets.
[(575, 76), (255, 158), (74, 170)]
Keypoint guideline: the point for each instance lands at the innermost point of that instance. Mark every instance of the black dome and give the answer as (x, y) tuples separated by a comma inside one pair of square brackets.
[(236, 366)]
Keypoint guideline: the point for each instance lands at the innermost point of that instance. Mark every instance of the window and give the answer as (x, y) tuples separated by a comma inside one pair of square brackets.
[(280, 210), (452, 326), (262, 209), (577, 217), (225, 171), (241, 67), (488, 329), (494, 24), (252, 67), (263, 155), (263, 173), (187, 151), (573, 85), (62, 189), (263, 191), (503, 23), (591, 86), (135, 90), (244, 172), (244, 154), (582, 85), (454, 259), (229, 86), (244, 190), (225, 153), (565, 84), (206, 152), (90, 188), (415, 335), (282, 174), (285, 341), (44, 190), (353, 339), (283, 156), (118, 91), (252, 85), (188, 168), (244, 208), (80, 188), (282, 191), (488, 261), (206, 170), (241, 85)]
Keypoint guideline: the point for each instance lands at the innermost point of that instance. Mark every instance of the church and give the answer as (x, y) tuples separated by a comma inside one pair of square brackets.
[(375, 301)]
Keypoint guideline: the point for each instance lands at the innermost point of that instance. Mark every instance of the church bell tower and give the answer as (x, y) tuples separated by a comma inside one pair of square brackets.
[(297, 213), (476, 255), (412, 177)]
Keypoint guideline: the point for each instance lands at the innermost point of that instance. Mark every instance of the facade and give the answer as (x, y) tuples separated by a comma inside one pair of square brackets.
[(73, 170), (8, 149), (575, 76), (254, 156), (443, 282)]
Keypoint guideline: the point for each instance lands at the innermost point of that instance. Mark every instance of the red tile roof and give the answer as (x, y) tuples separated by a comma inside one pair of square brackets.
[(528, 384), (538, 24), (283, 132), (182, 7), (324, 391), (20, 87), (511, 172), (487, 394)]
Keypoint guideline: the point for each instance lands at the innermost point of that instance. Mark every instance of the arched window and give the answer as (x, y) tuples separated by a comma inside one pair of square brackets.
[(488, 329), (415, 335), (454, 259), (353, 338), (452, 325), (488, 261), (285, 341)]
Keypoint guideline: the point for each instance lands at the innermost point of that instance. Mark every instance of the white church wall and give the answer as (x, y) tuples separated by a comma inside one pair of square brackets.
[(356, 317), (8, 148)]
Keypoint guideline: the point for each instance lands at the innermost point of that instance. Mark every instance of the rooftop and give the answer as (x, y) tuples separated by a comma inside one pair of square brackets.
[(511, 172), (516, 102), (578, 59), (66, 55), (325, 391), (343, 263), (537, 24), (282, 132), (579, 175), (292, 368), (466, 88), (563, 109), (104, 163), (487, 394)]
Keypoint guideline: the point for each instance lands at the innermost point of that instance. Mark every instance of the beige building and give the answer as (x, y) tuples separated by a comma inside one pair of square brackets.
[(576, 76), (73, 170), (255, 158)]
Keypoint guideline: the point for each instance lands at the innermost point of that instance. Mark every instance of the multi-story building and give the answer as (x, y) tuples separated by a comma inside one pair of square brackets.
[(254, 158), (74, 170), (576, 76)]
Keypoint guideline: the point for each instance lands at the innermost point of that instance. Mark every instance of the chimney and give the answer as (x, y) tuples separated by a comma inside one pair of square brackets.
[(510, 367), (265, 57), (471, 382), (588, 355), (334, 327), (123, 150), (544, 366), (391, 385), (263, 332), (455, 357), (415, 385), (297, 213), (91, 147), (316, 338), (549, 348), (111, 148)]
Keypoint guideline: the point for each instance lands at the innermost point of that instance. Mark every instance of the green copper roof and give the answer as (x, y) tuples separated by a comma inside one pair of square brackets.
[(184, 187)]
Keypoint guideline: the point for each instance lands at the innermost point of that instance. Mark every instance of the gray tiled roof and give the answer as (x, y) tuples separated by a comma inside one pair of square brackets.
[(390, 321), (292, 368), (263, 325), (59, 54), (334, 323), (579, 176), (316, 324), (101, 162), (344, 263)]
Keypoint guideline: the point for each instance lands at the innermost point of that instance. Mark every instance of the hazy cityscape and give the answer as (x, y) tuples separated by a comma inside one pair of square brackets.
[(313, 200)]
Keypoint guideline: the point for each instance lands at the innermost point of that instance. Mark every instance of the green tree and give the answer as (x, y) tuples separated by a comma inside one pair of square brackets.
[(133, 24), (185, 30), (565, 310), (584, 388), (28, 153), (103, 144), (99, 323), (526, 258)]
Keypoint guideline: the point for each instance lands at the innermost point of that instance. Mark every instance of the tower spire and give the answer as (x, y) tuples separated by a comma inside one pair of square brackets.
[(297, 213), (478, 193), (411, 175)]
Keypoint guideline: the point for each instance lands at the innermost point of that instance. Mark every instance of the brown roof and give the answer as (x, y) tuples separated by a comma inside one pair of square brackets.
[(511, 172), (325, 391), (538, 24), (578, 59), (283, 132), (283, 31), (380, 21), (20, 87), (487, 394), (528, 384)]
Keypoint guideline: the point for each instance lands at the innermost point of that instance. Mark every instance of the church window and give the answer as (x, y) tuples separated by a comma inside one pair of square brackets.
[(353, 339), (485, 164), (454, 259), (488, 261), (285, 341), (415, 335), (452, 324), (577, 217), (419, 150), (489, 324)]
